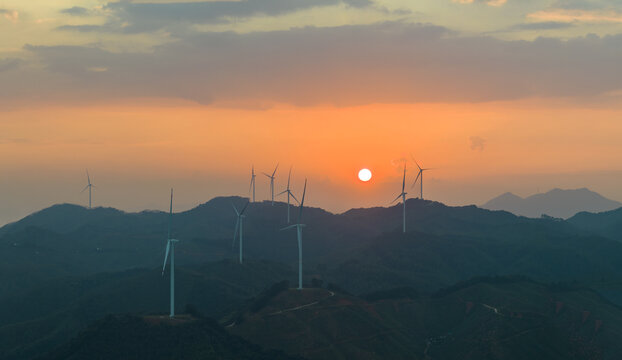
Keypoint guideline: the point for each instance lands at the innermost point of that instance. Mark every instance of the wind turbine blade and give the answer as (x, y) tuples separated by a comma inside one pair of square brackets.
[(244, 208), (404, 178), (277, 166), (235, 209), (281, 193), (170, 216), (88, 177), (411, 155), (86, 187), (289, 177), (288, 227), (415, 183), (302, 203), (396, 199), (268, 175), (168, 248), (292, 195), (235, 234)]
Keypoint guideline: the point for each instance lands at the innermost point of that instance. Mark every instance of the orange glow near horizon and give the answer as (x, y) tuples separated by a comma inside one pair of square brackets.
[(213, 148)]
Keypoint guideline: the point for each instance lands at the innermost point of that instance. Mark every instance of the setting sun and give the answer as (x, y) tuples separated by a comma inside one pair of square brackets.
[(365, 175)]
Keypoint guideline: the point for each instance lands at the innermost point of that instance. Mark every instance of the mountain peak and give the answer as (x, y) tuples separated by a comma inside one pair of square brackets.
[(561, 203)]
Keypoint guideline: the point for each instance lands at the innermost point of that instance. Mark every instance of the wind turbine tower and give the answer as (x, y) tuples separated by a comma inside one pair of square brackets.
[(170, 247), (289, 193), (88, 186), (299, 225), (403, 196), (272, 183), (252, 187), (239, 226)]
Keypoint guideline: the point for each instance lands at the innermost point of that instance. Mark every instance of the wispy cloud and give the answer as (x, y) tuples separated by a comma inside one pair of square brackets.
[(11, 15), (545, 25), (75, 11), (487, 2), (577, 15)]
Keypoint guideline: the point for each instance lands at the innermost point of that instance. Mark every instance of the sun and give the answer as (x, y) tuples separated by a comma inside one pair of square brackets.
[(365, 175)]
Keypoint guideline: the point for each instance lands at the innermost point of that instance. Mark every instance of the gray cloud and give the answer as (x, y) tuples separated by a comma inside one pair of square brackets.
[(9, 64), (546, 25), (585, 5), (347, 65), (75, 11), (84, 28), (131, 17)]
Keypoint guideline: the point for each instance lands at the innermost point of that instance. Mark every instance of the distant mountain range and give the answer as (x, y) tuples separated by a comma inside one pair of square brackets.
[(555, 203)]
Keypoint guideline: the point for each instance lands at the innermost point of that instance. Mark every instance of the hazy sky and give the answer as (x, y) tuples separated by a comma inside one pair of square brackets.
[(496, 95)]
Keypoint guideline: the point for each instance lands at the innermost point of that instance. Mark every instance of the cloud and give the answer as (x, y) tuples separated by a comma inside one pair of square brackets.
[(132, 17), (84, 28), (75, 11), (11, 15), (348, 65), (487, 2), (577, 15), (547, 25), (9, 64), (477, 143)]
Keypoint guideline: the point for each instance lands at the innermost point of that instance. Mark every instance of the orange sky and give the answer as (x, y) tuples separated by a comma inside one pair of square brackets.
[(136, 152)]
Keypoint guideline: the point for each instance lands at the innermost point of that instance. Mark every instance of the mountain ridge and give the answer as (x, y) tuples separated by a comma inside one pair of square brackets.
[(556, 203)]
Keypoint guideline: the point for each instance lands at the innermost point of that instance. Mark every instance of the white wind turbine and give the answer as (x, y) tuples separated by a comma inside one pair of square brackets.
[(170, 247), (420, 175), (403, 196), (299, 227), (272, 183), (252, 187), (88, 186), (289, 193), (239, 226)]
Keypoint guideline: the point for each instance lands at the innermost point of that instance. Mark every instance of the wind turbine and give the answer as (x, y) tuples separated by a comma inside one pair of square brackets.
[(88, 186), (239, 225), (299, 227), (289, 193), (253, 182), (170, 247), (403, 196), (272, 183), (420, 175)]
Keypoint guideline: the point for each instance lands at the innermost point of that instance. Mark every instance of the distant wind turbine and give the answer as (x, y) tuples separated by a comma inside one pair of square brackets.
[(299, 227), (403, 196), (88, 186), (289, 193), (170, 247), (272, 183), (239, 226), (252, 187), (420, 175)]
